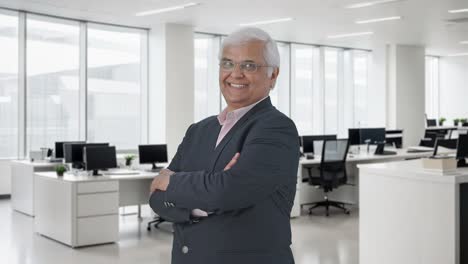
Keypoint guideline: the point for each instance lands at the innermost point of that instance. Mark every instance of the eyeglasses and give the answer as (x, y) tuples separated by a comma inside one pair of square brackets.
[(245, 66)]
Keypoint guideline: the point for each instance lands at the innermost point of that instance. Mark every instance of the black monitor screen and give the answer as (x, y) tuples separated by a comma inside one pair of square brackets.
[(308, 141), (372, 135), (354, 136), (59, 153), (99, 157), (73, 152), (462, 146), (152, 153), (359, 136)]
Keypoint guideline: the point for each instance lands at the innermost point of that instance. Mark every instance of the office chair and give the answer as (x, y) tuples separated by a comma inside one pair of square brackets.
[(430, 139), (446, 143), (155, 222), (331, 173)]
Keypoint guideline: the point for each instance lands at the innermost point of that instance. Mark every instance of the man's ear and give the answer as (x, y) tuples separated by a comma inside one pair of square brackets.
[(274, 77)]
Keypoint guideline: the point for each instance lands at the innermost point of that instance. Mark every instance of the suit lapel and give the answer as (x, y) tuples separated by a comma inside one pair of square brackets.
[(260, 107)]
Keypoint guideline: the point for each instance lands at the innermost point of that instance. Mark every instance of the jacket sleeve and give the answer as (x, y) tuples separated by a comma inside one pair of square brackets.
[(158, 200), (268, 160)]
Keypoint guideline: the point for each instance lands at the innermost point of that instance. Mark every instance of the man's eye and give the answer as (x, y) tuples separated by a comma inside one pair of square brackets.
[(228, 64), (249, 66)]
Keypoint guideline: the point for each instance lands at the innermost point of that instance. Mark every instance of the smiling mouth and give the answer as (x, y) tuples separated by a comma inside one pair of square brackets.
[(237, 86)]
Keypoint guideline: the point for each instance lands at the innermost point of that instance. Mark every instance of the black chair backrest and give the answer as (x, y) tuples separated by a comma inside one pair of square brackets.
[(333, 164), (446, 143)]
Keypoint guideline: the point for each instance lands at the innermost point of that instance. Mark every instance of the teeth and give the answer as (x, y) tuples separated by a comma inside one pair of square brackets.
[(238, 85)]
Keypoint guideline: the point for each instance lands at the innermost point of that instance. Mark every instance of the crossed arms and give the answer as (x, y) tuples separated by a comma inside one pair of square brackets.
[(269, 157)]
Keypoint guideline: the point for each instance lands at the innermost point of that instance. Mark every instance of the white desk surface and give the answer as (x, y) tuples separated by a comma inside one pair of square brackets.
[(85, 178), (414, 170), (364, 156), (41, 163)]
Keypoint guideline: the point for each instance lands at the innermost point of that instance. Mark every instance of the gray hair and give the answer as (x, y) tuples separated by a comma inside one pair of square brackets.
[(247, 34)]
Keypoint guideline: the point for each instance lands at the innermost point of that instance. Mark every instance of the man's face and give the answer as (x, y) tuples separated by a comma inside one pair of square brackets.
[(241, 88)]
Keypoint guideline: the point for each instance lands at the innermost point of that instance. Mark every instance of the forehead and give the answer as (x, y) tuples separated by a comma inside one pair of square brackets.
[(252, 50)]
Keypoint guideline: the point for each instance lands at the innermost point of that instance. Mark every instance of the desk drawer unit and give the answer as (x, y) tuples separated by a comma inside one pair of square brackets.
[(97, 204), (97, 230), (97, 208)]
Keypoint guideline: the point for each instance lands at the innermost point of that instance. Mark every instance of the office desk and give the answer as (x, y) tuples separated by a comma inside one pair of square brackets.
[(409, 215), (22, 183), (83, 210), (306, 193)]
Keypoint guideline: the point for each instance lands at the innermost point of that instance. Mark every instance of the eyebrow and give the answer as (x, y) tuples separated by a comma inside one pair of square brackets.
[(249, 61)]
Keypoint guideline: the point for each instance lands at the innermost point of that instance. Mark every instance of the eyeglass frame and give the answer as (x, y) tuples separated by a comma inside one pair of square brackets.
[(240, 67)]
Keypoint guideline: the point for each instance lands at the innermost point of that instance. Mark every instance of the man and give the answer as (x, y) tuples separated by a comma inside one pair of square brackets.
[(231, 185)]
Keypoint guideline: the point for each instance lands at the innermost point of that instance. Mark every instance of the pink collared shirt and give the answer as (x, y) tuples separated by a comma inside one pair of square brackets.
[(227, 120)]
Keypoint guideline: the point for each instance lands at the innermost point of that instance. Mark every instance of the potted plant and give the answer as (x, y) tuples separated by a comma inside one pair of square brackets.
[(441, 121), (456, 121), (128, 159), (463, 121), (60, 169)]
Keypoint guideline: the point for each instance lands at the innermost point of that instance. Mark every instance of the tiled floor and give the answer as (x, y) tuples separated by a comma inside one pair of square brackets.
[(316, 240)]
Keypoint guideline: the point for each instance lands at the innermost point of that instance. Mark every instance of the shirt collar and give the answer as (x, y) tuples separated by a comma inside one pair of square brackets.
[(236, 114)]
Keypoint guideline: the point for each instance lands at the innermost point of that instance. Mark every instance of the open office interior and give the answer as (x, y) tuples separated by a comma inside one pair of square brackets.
[(96, 85)]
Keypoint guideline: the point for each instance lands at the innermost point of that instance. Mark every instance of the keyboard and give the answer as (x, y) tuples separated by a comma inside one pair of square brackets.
[(120, 172)]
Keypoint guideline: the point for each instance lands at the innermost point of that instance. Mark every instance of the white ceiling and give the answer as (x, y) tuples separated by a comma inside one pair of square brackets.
[(424, 21)]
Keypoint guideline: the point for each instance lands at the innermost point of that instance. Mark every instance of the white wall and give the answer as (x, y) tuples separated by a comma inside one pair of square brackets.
[(180, 81), (376, 91), (406, 91), (171, 82), (453, 91)]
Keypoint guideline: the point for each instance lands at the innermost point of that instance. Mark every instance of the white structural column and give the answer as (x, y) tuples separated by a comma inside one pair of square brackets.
[(405, 91), (172, 45)]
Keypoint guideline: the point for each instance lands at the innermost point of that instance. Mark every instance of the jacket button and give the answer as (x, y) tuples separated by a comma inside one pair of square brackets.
[(185, 249)]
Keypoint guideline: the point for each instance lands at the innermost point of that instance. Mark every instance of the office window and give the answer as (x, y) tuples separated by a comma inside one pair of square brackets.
[(305, 96), (361, 60), (114, 96), (432, 87), (52, 81), (280, 94), (207, 93), (331, 71), (8, 85)]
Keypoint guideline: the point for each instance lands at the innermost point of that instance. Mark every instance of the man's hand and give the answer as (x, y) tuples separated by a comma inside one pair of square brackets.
[(232, 162), (161, 181)]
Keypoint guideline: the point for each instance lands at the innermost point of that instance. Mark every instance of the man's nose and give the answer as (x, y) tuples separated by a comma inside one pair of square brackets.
[(237, 71)]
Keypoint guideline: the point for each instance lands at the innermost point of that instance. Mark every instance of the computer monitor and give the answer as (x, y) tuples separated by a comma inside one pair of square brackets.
[(446, 143), (308, 141), (462, 150), (431, 122), (372, 135), (99, 158), (73, 152), (354, 136), (59, 153), (152, 154)]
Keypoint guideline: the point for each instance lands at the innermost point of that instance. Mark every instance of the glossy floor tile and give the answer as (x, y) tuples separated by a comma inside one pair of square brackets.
[(316, 240)]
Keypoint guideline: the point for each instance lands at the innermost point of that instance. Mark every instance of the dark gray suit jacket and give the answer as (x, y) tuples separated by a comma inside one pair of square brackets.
[(250, 203)]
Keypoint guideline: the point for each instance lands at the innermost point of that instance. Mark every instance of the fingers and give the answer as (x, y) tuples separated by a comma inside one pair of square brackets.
[(232, 162)]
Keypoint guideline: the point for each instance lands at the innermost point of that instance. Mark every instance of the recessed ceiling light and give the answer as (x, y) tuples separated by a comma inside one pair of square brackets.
[(350, 35), (458, 54), (464, 42), (371, 3), (267, 22), (458, 11), (375, 20), (167, 9)]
